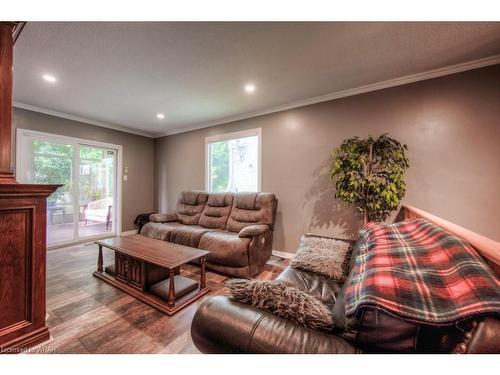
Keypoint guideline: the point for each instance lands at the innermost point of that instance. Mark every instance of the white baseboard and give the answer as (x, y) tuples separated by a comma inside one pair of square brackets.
[(283, 254), (128, 232)]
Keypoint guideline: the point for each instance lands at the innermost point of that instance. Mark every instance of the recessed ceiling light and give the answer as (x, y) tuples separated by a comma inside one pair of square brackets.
[(249, 88), (160, 116), (49, 78)]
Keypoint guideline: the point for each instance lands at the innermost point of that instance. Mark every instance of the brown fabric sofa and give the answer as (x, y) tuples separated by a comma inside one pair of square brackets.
[(237, 228)]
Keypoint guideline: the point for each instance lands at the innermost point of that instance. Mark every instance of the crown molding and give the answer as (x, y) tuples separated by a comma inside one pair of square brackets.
[(412, 78), (452, 69), (82, 119)]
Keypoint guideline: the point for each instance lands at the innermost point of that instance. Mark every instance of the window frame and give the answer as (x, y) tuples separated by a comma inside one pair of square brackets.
[(231, 136)]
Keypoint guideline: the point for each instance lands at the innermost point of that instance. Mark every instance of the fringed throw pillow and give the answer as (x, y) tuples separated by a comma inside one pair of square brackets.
[(322, 255), (283, 301)]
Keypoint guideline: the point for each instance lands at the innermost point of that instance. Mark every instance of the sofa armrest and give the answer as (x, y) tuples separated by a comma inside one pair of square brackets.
[(222, 325), (163, 218), (254, 230), (485, 337)]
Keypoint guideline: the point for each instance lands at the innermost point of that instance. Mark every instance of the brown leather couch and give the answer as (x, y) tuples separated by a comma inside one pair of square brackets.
[(237, 228), (223, 325)]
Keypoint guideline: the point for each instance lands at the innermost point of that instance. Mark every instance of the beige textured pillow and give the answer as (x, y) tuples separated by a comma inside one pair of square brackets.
[(282, 300), (325, 256)]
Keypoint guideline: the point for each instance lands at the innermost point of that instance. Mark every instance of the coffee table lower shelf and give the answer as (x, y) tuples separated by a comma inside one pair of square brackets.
[(157, 302)]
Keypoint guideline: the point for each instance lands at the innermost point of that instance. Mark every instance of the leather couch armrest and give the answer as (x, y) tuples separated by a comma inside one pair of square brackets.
[(222, 325), (163, 218), (254, 230), (485, 338)]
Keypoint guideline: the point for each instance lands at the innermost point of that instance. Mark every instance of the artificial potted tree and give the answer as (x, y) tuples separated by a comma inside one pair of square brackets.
[(369, 174)]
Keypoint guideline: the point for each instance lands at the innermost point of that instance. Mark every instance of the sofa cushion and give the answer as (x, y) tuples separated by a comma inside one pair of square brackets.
[(216, 211), (320, 287), (190, 206), (282, 300), (163, 218), (187, 235), (323, 255), (159, 231), (251, 208), (225, 248), (246, 200), (192, 197), (220, 199)]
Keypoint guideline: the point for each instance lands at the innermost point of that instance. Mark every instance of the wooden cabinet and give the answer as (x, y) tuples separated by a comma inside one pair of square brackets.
[(22, 265), (22, 229)]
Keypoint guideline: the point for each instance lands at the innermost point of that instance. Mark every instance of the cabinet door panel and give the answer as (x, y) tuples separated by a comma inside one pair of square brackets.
[(121, 266), (136, 276), (16, 260)]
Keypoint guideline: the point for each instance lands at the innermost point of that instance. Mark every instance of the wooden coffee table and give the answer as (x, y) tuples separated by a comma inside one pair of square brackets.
[(149, 270)]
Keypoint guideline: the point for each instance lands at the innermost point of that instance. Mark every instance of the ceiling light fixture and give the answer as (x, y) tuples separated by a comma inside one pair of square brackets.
[(249, 88), (160, 116), (49, 78)]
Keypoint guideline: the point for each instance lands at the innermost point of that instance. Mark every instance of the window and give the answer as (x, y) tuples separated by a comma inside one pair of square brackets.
[(233, 161)]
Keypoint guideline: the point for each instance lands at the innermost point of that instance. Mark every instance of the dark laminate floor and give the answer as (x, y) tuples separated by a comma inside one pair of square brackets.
[(86, 315)]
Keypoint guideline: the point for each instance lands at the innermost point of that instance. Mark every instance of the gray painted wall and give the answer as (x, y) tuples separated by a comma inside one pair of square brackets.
[(138, 156), (451, 125)]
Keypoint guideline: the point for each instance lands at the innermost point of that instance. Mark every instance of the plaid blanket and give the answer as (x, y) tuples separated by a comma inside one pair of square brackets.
[(419, 272)]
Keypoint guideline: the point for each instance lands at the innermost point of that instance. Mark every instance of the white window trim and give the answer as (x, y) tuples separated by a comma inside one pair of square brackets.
[(226, 137), (22, 139)]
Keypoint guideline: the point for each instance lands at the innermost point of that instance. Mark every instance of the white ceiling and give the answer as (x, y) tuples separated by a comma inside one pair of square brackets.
[(123, 74)]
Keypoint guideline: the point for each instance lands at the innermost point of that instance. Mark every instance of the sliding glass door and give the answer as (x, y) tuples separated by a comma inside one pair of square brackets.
[(96, 187), (53, 163), (85, 206)]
